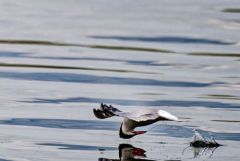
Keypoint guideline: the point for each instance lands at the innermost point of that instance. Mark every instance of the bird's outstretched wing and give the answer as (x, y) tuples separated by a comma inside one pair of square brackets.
[(106, 111)]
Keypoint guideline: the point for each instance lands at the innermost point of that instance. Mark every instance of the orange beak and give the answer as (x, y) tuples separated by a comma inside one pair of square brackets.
[(139, 132)]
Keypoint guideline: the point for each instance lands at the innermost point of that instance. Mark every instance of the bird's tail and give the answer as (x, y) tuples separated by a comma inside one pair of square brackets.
[(105, 111)]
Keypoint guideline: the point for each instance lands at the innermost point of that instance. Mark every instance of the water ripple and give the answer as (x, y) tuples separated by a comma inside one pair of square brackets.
[(166, 39), (163, 129), (125, 102), (78, 147), (62, 44), (182, 131), (94, 79), (69, 67), (63, 123)]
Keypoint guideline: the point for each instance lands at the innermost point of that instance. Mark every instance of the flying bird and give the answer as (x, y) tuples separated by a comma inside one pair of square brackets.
[(131, 120)]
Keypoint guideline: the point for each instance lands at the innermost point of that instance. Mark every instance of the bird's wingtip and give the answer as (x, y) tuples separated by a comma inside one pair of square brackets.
[(167, 115), (99, 114), (175, 118)]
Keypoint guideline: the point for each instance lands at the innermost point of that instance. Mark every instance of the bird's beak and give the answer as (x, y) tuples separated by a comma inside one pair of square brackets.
[(139, 132)]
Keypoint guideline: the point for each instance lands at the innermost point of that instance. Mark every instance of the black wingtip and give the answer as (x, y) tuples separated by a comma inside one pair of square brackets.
[(105, 111), (98, 113)]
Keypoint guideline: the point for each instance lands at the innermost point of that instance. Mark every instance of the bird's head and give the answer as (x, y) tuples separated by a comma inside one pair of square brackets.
[(129, 134)]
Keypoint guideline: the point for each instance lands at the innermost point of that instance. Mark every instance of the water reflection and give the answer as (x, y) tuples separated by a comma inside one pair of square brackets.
[(127, 102), (4, 160), (94, 79), (161, 130), (131, 62), (62, 44), (64, 123), (201, 152), (77, 147), (69, 67), (198, 152), (231, 10), (128, 152), (166, 39)]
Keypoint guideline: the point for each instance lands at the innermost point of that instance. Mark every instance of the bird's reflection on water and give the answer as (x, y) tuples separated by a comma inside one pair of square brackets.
[(128, 152)]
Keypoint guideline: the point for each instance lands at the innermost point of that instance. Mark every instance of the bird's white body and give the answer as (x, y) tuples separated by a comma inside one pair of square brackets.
[(133, 119)]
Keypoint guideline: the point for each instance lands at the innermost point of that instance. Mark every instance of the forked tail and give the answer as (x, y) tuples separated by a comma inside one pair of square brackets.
[(105, 111)]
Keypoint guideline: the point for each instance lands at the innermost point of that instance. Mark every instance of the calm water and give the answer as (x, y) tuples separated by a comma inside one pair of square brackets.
[(59, 59)]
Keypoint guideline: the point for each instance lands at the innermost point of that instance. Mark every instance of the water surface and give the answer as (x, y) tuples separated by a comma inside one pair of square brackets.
[(59, 60)]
